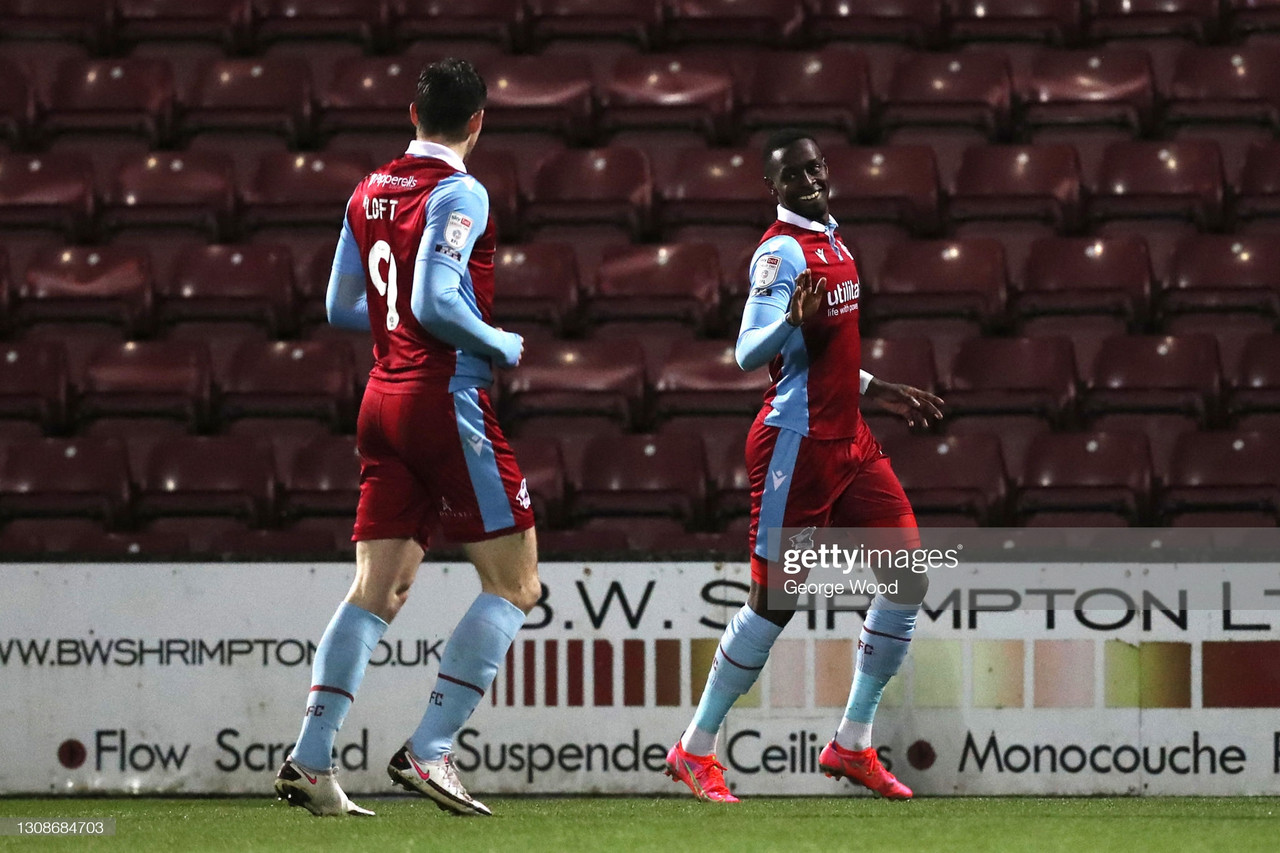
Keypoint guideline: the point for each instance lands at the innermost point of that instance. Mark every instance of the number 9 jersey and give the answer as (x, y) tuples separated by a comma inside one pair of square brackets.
[(414, 211)]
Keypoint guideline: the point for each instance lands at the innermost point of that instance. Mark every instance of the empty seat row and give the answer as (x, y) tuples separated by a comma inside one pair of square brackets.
[(104, 24), (721, 95), (618, 188), (688, 284)]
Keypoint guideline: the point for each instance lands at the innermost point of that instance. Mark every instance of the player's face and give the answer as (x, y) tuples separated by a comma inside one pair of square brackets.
[(799, 179)]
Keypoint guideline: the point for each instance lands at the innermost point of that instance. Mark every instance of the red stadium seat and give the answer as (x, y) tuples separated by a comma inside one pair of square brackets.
[(1088, 472), (122, 95), (148, 378), (916, 22), (909, 361), (102, 283), (138, 435), (313, 379), (595, 543), (37, 538), (1110, 88), (252, 94), (703, 378), (222, 21), (304, 189), (540, 93), (1258, 193), (961, 278), (1016, 433), (1014, 376), (495, 169), (1224, 272), (1052, 21), (1250, 16), (828, 88), (1040, 182), (1197, 19), (193, 188), (970, 89), (715, 185), (643, 475), (668, 91), (602, 185), (536, 282), (765, 22), (208, 476), (1086, 275), (355, 20), (1256, 382), (17, 104), (1225, 84), (305, 544), (675, 282), (369, 92), (1181, 179), (34, 382), (62, 477), (586, 378), (1154, 373), (322, 478), (85, 21), (961, 475), (498, 21), (51, 190), (624, 21), (893, 183), (542, 464), (230, 282), (1230, 470)]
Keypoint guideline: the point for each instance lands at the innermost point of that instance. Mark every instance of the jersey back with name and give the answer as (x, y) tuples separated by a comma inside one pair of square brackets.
[(387, 215), (815, 378)]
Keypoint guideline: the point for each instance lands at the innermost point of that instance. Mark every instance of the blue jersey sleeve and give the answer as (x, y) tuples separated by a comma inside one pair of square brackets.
[(765, 329), (346, 300), (457, 214)]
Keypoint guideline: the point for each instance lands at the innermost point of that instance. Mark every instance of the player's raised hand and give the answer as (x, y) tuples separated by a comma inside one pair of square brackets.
[(806, 299), (918, 407)]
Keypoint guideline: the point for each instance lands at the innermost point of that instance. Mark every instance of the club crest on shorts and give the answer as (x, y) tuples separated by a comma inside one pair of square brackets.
[(457, 229), (522, 496), (766, 273)]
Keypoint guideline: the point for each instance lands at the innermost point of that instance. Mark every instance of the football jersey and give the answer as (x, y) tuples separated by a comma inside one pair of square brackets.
[(421, 208), (815, 387)]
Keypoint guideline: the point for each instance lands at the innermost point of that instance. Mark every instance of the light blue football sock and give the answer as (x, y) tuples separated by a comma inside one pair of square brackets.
[(742, 653), (336, 674), (467, 667), (882, 647)]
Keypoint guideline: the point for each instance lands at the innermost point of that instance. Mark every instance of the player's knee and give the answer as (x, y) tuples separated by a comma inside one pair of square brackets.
[(911, 588), (524, 594)]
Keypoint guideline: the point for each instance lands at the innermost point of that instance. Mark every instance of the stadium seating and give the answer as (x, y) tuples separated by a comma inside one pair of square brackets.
[(65, 477), (959, 475), (638, 475), (218, 476), (1061, 214)]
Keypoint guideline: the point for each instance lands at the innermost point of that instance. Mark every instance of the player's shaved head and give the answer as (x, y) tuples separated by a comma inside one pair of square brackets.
[(779, 141), (449, 93)]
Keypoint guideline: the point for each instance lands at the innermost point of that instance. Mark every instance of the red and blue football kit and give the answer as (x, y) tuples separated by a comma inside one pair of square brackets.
[(415, 263), (811, 458)]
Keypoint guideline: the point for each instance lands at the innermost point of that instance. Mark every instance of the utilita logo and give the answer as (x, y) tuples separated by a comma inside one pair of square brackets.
[(845, 291)]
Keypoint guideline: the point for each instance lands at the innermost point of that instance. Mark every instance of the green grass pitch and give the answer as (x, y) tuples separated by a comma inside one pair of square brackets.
[(621, 825)]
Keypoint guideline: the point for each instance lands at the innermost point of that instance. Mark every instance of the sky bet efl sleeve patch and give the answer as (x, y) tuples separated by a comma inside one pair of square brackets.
[(766, 273), (457, 229)]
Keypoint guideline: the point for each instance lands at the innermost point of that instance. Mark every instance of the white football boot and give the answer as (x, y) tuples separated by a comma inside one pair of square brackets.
[(437, 780), (317, 791)]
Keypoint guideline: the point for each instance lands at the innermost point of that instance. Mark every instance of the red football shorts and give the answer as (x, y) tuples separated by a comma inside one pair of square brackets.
[(798, 481), (434, 457)]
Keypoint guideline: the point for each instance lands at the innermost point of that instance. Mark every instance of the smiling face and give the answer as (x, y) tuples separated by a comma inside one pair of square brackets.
[(797, 176)]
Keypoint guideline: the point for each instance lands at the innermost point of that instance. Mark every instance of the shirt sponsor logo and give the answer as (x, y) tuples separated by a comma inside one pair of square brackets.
[(457, 229), (383, 180), (845, 291)]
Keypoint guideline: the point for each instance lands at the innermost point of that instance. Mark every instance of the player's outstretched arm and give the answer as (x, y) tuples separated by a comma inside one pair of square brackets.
[(916, 406), (456, 216), (346, 301)]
